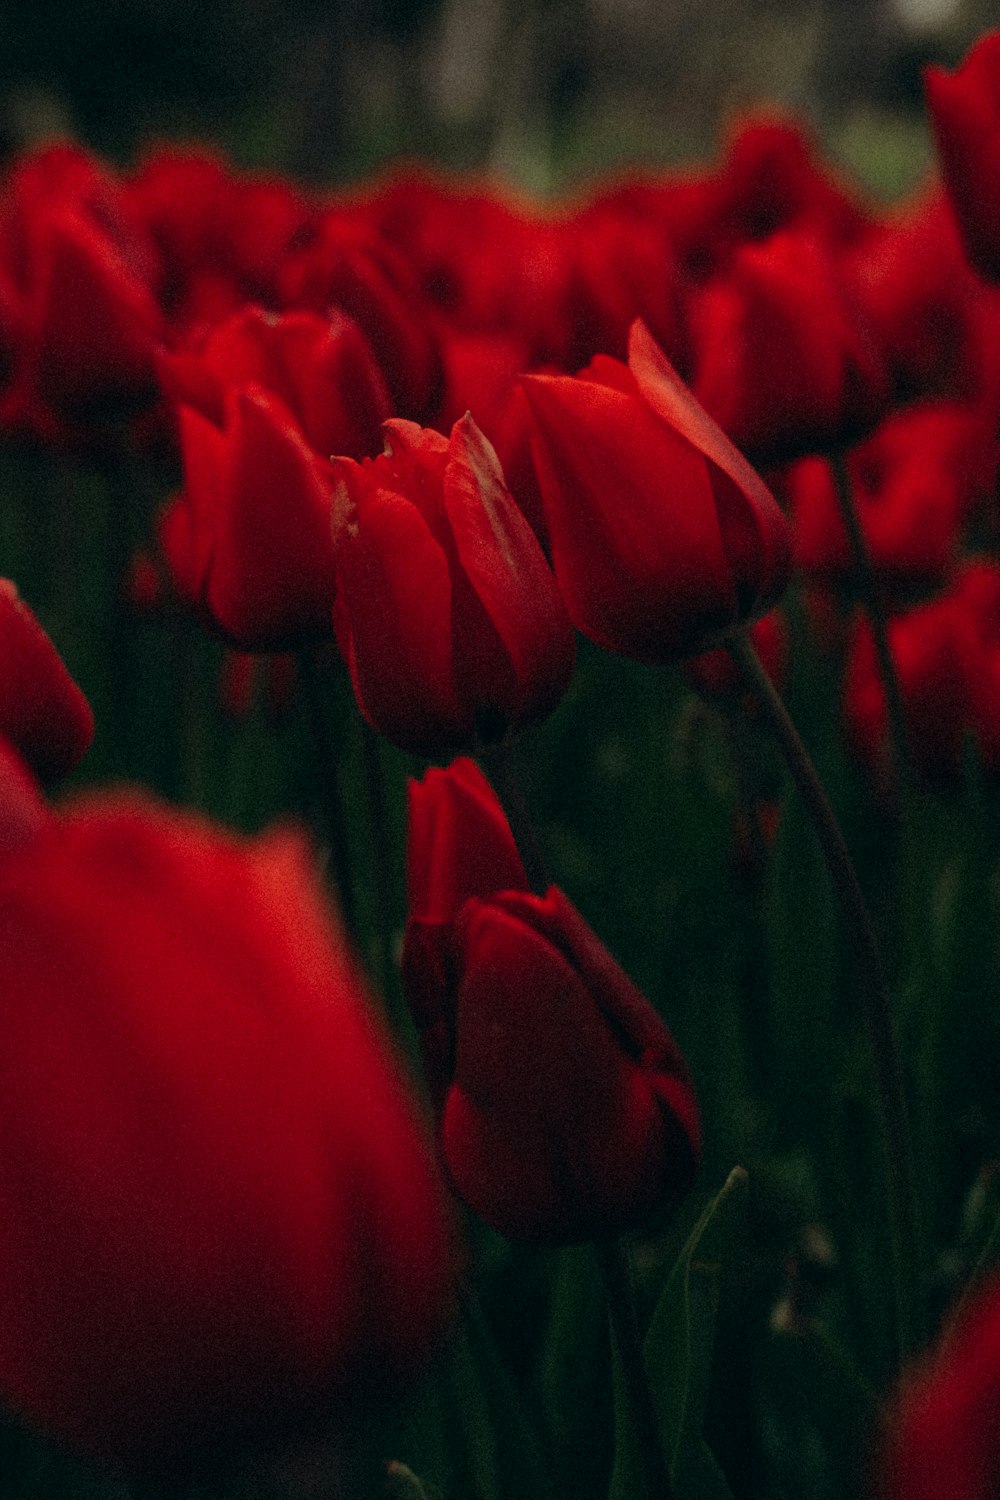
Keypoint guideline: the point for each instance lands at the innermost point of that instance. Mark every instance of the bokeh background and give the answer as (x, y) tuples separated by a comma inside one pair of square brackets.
[(546, 91)]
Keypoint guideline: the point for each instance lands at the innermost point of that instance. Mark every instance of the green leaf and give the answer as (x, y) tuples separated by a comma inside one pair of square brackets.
[(679, 1345)]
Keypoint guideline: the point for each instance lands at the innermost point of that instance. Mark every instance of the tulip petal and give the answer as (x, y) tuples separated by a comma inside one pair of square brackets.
[(393, 622)]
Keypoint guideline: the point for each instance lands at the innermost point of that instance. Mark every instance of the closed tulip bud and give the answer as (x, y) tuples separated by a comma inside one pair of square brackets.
[(570, 1114), (565, 1107), (446, 612), (663, 538), (42, 711), (220, 1225)]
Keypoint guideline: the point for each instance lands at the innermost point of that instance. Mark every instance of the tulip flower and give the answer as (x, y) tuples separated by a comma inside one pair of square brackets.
[(220, 1224), (446, 612), (565, 1108), (941, 1435), (964, 108), (915, 482), (663, 538), (322, 369), (947, 658), (249, 539), (42, 711)]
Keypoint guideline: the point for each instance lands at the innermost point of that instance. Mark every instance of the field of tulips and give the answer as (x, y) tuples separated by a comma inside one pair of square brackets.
[(500, 830)]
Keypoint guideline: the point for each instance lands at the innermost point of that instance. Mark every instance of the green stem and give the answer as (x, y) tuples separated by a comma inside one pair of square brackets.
[(498, 763), (381, 841), (612, 1258), (333, 800), (871, 593), (901, 1190)]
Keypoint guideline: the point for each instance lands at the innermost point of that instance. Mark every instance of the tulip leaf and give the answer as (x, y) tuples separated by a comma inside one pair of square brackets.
[(679, 1344)]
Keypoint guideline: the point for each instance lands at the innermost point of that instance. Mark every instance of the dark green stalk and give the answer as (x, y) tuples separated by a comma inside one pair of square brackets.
[(901, 1191), (871, 594), (498, 763), (613, 1261), (333, 800)]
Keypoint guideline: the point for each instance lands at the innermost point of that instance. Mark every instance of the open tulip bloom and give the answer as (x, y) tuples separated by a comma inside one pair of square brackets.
[(612, 1116)]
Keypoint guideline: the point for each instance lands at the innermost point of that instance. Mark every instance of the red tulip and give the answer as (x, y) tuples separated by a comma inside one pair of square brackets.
[(249, 540), (42, 711), (566, 1111), (782, 359), (941, 1435), (446, 611), (600, 1129), (947, 658), (965, 114), (915, 482), (322, 369), (663, 538), (219, 1222)]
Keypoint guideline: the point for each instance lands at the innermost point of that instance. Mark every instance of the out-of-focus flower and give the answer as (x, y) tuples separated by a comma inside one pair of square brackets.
[(82, 280), (446, 612), (915, 482), (965, 114), (42, 711), (782, 359), (947, 658), (249, 541), (321, 368), (566, 1110), (220, 1223), (941, 1435), (663, 538)]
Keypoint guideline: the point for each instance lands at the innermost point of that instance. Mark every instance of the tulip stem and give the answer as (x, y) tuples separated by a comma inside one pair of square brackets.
[(871, 593), (498, 763), (613, 1259), (336, 825), (901, 1190)]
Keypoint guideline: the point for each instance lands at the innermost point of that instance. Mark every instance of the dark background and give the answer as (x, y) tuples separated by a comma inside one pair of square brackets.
[(546, 90)]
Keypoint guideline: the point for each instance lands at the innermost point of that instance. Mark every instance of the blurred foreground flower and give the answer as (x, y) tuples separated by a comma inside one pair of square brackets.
[(567, 1113), (219, 1224), (663, 537), (942, 1436), (964, 108)]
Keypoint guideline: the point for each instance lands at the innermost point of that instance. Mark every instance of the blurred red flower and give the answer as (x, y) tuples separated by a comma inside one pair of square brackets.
[(220, 1223)]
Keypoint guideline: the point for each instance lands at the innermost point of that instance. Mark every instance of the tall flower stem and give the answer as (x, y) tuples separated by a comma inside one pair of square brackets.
[(901, 1190), (871, 594), (612, 1255), (498, 763), (329, 760), (617, 1277)]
